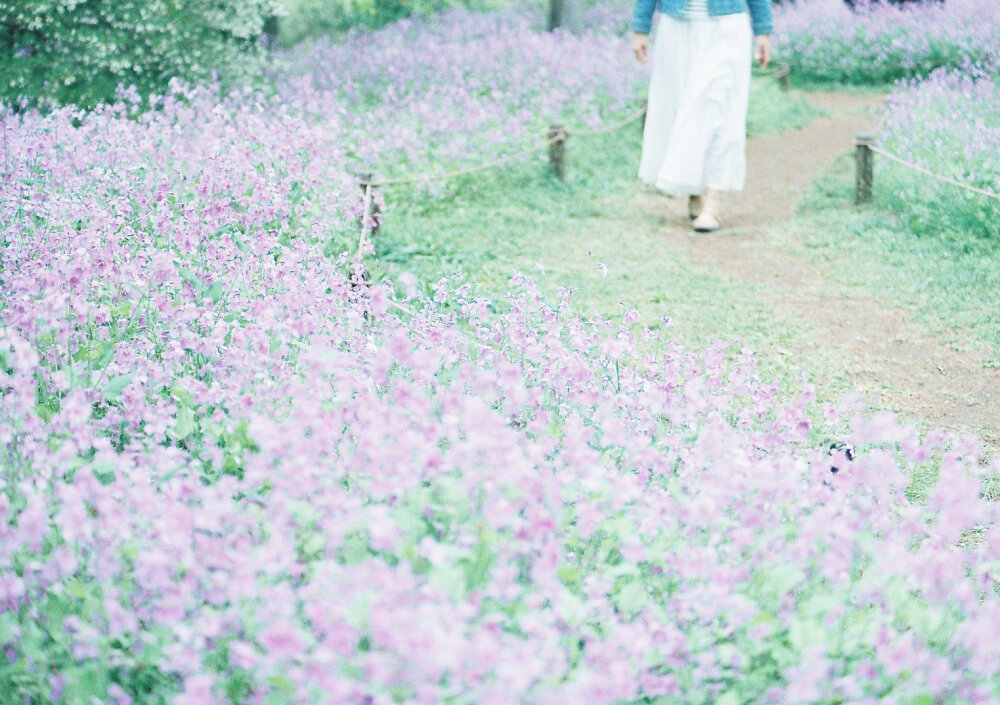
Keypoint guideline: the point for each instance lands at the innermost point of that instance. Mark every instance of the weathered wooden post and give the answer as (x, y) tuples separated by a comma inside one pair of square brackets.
[(555, 14), (270, 32), (361, 276), (784, 76), (865, 162), (370, 207), (557, 150)]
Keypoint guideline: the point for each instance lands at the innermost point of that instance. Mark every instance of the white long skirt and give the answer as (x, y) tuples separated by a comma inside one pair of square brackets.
[(695, 134)]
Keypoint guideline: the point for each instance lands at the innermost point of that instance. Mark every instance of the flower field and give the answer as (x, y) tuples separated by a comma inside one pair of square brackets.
[(961, 143), (233, 472), (823, 40), (460, 88)]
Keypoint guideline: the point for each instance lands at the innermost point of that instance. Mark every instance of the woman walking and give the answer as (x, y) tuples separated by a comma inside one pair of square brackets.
[(694, 143)]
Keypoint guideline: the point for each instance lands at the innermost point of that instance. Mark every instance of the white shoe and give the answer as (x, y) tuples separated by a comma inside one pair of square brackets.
[(706, 223)]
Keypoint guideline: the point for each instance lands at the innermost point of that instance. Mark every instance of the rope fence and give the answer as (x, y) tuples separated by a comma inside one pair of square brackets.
[(555, 143), (865, 168), (557, 134)]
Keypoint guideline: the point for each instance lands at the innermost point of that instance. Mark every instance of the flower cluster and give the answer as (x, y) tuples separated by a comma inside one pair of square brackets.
[(877, 43), (461, 87), (961, 144)]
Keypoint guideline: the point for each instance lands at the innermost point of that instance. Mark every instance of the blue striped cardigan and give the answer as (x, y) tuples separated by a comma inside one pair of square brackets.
[(760, 12)]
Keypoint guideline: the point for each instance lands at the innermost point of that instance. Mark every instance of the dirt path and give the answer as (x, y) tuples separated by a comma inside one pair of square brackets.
[(891, 359)]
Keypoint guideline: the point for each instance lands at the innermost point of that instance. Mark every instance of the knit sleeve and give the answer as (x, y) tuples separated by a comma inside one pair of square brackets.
[(760, 16), (642, 18)]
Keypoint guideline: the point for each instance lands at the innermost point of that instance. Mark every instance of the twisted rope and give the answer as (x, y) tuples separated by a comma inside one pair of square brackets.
[(632, 117), (928, 172)]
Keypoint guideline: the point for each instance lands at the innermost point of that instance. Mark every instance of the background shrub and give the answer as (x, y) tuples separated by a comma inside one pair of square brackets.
[(80, 51)]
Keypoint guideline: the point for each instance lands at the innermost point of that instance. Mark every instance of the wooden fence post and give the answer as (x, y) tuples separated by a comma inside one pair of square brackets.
[(555, 14), (371, 209), (864, 160), (270, 32), (557, 150), (784, 76)]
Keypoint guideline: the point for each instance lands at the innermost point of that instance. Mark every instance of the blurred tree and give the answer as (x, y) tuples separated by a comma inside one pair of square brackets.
[(80, 51), (555, 16), (572, 14)]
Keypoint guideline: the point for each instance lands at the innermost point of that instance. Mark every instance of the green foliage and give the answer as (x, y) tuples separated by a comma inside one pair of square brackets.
[(80, 51), (47, 645), (314, 18), (931, 208)]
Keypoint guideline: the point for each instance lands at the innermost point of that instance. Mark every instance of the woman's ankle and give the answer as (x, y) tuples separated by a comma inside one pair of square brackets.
[(711, 201)]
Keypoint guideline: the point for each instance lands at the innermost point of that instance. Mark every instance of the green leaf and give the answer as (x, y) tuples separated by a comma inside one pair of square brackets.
[(821, 604), (728, 698), (313, 545), (103, 355), (478, 568), (354, 549), (8, 627), (303, 512), (281, 691), (571, 609), (781, 579), (182, 396), (104, 471), (569, 575), (805, 633), (631, 598), (86, 684), (240, 245), (184, 425), (33, 644), (448, 579), (214, 292), (113, 389), (187, 276), (860, 627), (78, 588)]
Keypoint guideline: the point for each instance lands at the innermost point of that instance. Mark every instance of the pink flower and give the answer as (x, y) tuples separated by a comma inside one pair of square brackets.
[(281, 641), (242, 654), (198, 690)]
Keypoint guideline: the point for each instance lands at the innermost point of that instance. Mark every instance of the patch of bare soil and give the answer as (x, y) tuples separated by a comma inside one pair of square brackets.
[(891, 358)]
